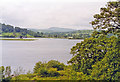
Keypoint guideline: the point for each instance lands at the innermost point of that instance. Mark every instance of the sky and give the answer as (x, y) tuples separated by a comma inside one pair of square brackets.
[(42, 14)]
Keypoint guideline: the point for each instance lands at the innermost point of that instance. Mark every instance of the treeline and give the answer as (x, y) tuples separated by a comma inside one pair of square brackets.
[(79, 34), (11, 31)]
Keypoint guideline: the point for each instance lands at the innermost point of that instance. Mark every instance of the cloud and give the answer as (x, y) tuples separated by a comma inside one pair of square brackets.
[(41, 14)]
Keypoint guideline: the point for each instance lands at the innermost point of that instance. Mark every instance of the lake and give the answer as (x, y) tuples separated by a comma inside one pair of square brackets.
[(26, 54)]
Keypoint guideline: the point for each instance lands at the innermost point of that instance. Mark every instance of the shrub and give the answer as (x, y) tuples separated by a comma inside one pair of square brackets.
[(55, 64)]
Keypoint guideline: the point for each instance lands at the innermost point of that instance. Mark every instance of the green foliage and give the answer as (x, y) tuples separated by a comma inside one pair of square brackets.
[(78, 34), (7, 28), (5, 73), (108, 23), (8, 34), (49, 69), (2, 69), (43, 72), (95, 56), (8, 71), (109, 18), (10, 31), (53, 72), (55, 64), (38, 65), (14, 39)]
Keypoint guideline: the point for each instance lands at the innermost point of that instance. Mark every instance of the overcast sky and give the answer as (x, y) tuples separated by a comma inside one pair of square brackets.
[(43, 14)]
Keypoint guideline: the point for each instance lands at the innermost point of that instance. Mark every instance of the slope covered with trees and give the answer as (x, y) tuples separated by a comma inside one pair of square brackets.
[(10, 31)]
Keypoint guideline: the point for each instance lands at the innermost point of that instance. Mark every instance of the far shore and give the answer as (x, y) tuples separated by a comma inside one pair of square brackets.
[(33, 39), (17, 39)]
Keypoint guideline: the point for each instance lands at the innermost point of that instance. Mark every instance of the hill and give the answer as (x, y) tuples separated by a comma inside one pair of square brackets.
[(53, 29), (10, 31)]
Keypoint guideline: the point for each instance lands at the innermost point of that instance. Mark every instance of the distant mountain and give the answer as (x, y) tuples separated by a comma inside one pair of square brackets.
[(54, 29)]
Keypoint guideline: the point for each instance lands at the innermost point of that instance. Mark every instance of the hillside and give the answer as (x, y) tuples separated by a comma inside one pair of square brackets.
[(10, 31), (53, 32), (53, 29)]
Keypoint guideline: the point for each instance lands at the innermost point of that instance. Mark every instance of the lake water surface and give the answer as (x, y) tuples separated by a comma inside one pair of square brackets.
[(26, 54)]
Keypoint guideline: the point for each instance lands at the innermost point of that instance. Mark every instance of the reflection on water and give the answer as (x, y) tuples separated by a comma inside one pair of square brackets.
[(27, 53)]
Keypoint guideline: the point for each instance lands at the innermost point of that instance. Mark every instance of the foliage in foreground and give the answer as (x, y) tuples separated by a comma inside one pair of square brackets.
[(98, 58)]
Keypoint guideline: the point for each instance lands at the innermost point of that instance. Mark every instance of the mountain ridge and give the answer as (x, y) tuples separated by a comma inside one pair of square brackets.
[(53, 29)]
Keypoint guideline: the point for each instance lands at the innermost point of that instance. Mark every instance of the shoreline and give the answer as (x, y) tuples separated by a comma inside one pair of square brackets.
[(17, 39), (32, 39)]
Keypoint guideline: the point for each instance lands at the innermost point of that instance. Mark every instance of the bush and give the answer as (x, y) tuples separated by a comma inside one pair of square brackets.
[(38, 65), (53, 72), (43, 72), (55, 64)]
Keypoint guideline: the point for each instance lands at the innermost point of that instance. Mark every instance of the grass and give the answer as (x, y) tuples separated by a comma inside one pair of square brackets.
[(18, 39)]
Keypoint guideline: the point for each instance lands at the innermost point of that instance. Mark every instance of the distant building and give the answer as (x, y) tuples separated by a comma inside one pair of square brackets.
[(70, 37)]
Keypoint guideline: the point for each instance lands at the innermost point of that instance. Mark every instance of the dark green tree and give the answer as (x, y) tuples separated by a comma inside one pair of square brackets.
[(55, 64), (17, 29), (95, 56), (108, 20), (98, 57), (38, 66)]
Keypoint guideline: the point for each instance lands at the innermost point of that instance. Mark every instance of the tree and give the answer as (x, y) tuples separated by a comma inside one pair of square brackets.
[(55, 64), (53, 72), (39, 65), (108, 19), (19, 71), (2, 69), (8, 71), (95, 57), (98, 57), (17, 29), (108, 68), (49, 69)]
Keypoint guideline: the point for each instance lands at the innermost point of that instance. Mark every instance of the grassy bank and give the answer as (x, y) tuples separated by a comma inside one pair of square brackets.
[(18, 39)]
